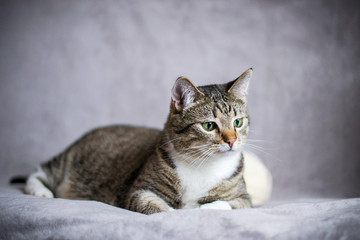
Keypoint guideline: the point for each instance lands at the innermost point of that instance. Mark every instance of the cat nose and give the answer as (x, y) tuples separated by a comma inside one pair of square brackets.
[(230, 141)]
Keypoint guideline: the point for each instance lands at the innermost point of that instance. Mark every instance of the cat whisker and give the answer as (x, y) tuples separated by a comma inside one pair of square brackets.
[(196, 149), (169, 141), (192, 154), (191, 151), (199, 158), (259, 147), (204, 160), (200, 146), (206, 155), (254, 140), (262, 150)]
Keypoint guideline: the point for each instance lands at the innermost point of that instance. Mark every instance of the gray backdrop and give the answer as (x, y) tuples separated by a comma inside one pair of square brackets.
[(69, 66)]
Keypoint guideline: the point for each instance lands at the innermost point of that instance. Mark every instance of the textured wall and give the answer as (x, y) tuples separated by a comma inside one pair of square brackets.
[(69, 66)]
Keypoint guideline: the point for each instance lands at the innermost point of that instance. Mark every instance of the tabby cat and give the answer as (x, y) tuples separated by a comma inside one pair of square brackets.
[(196, 161)]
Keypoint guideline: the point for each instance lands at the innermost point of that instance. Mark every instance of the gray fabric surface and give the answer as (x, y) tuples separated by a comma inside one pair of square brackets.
[(69, 66), (28, 217)]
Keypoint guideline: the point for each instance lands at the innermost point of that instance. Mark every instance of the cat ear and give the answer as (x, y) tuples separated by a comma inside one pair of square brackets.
[(239, 87), (184, 93)]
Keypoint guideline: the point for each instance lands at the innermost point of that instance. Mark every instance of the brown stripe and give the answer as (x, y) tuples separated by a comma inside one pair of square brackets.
[(184, 129), (170, 180), (235, 113), (162, 194), (170, 187), (214, 113), (219, 107), (131, 202), (165, 156)]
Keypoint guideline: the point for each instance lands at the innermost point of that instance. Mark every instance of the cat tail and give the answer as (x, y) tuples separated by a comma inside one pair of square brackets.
[(18, 179), (258, 179)]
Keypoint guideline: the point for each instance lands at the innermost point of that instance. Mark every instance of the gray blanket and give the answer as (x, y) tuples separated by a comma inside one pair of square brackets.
[(28, 217)]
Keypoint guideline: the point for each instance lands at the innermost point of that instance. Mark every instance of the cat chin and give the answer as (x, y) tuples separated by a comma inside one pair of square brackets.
[(229, 152), (224, 148)]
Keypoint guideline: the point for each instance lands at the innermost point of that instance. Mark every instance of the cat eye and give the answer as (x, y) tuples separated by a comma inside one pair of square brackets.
[(238, 122), (209, 126)]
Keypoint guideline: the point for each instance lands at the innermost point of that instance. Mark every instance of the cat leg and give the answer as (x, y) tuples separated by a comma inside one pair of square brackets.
[(240, 203), (36, 184), (147, 202)]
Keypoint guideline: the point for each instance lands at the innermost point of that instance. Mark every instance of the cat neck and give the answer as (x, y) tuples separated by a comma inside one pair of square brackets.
[(197, 179)]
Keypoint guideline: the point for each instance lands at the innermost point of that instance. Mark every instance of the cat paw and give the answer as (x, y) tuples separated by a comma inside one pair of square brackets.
[(219, 205), (43, 192)]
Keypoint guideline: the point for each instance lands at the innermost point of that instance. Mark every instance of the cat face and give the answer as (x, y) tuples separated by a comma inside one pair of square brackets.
[(209, 120)]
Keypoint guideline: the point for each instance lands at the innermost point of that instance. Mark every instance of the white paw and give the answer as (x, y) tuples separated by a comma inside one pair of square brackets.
[(43, 192), (220, 205), (35, 184)]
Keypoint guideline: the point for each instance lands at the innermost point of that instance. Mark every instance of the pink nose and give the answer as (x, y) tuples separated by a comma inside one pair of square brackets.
[(230, 141)]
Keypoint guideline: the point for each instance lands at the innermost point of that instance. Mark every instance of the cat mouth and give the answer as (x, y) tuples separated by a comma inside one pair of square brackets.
[(226, 150)]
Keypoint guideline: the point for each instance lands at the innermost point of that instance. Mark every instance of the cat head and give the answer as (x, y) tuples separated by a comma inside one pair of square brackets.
[(208, 120)]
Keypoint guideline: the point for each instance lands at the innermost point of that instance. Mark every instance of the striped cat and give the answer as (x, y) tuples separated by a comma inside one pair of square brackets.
[(196, 161)]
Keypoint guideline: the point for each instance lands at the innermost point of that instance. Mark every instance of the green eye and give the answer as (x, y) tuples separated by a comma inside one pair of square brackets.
[(238, 122), (209, 126)]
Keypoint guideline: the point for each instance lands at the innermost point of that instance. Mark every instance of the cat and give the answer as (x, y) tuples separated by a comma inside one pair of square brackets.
[(196, 161)]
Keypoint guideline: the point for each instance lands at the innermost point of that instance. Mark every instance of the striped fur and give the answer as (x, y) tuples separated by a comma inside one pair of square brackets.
[(149, 171)]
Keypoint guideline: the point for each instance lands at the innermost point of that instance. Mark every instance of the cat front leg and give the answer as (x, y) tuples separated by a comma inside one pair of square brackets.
[(240, 203), (147, 202)]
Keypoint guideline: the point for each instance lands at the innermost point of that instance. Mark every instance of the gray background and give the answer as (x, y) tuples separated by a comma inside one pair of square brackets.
[(69, 66)]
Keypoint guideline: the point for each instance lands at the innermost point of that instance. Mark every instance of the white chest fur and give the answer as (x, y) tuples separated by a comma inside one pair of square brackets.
[(197, 181)]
